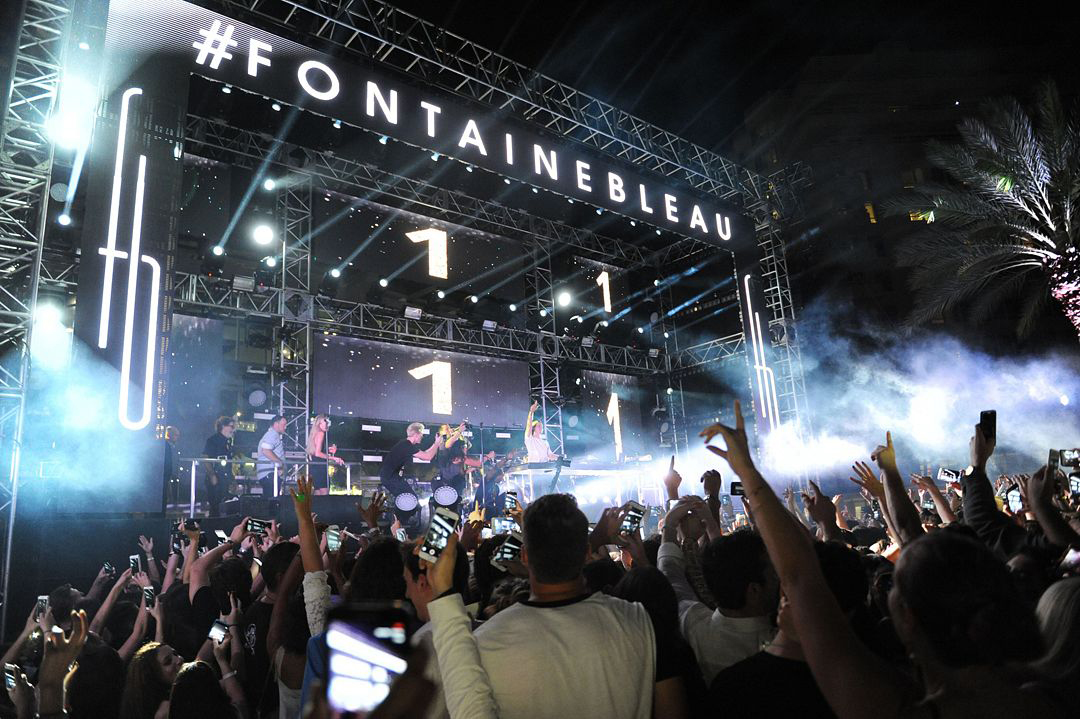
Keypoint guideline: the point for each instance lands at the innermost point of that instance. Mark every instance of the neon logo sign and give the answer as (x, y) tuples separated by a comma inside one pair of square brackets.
[(766, 381), (134, 258)]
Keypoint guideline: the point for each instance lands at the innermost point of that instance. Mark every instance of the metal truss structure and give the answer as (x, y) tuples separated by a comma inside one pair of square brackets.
[(26, 159), (544, 383)]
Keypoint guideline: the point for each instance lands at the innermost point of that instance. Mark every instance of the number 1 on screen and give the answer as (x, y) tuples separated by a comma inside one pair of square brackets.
[(442, 399), (615, 422), (604, 280), (437, 261)]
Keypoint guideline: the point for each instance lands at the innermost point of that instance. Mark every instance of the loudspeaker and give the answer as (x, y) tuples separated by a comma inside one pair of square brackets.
[(258, 507)]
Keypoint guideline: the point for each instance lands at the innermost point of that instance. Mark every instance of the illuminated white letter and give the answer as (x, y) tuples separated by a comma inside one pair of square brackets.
[(438, 264), (615, 188), (605, 282), (583, 176), (432, 111), (471, 136), (509, 149), (548, 163), (644, 205), (255, 59), (389, 110), (442, 400), (723, 226), (615, 422), (302, 76), (698, 220), (669, 208)]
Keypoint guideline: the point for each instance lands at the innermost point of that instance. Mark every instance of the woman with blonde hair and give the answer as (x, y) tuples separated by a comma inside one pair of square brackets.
[(318, 457)]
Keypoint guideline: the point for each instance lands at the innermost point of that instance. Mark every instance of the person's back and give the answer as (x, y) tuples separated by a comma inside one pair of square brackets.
[(590, 657)]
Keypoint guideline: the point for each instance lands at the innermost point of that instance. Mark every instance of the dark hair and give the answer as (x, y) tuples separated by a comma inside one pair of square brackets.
[(602, 574), (652, 548), (556, 538), (461, 568), (276, 418), (377, 574), (62, 601), (295, 632), (964, 601), (484, 574), (95, 690), (181, 629), (649, 587), (121, 622), (145, 687), (233, 576), (223, 421), (843, 570), (196, 694), (276, 562), (731, 564)]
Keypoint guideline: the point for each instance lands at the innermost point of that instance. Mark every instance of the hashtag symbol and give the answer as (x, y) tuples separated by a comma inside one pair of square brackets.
[(215, 43)]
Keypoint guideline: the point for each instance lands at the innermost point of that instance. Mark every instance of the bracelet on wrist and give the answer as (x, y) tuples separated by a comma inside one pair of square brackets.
[(230, 675)]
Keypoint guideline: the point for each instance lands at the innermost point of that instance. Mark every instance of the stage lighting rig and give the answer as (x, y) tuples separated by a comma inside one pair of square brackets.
[(565, 298), (269, 184), (413, 313), (335, 273), (330, 284), (489, 325), (263, 234)]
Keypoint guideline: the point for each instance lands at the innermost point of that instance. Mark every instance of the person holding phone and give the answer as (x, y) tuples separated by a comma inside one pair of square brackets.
[(218, 475)]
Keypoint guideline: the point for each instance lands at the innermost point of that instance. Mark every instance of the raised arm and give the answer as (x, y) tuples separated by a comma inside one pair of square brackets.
[(138, 632), (102, 613), (200, 568), (529, 419), (944, 511), (854, 681), (428, 454), (1040, 493), (905, 515), (147, 547)]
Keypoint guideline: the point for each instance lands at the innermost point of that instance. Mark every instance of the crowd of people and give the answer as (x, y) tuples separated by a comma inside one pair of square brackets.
[(942, 602)]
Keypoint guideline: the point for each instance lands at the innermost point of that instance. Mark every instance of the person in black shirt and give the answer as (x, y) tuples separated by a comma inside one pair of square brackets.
[(400, 458), (171, 470), (451, 461), (219, 475)]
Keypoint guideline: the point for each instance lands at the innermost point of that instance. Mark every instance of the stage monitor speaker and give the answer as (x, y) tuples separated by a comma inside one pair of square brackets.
[(257, 507)]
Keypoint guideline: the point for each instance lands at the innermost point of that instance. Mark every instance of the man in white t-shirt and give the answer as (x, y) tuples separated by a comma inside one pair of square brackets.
[(535, 443), (565, 652)]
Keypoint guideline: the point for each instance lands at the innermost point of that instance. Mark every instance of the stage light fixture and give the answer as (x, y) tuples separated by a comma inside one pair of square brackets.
[(434, 157), (414, 313), (269, 184), (47, 313), (641, 330), (513, 307), (270, 261), (656, 283), (64, 219), (577, 380), (666, 335), (580, 319), (262, 234), (653, 352), (603, 323), (335, 273), (506, 180), (218, 250), (1064, 399), (227, 89), (565, 298), (383, 140), (599, 211), (384, 282), (586, 342), (84, 45), (658, 233), (276, 107), (337, 124), (489, 325), (71, 125), (543, 313), (633, 224), (670, 390), (570, 200), (474, 299), (441, 295), (535, 191), (468, 168)]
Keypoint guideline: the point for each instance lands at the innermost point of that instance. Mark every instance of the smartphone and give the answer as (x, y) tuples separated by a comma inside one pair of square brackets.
[(109, 568), (368, 643), (988, 424), (735, 489), (1016, 503), (148, 592), (191, 525), (486, 533), (220, 534), (218, 630), (504, 525), (333, 538), (9, 675), (177, 542), (929, 504), (258, 526), (402, 535), (443, 524), (1069, 457), (42, 605), (135, 562), (508, 551), (949, 475), (635, 513), (1052, 463), (510, 501)]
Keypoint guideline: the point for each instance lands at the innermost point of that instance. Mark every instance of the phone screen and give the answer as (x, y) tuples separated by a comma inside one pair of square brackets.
[(443, 523), (220, 534), (42, 604), (402, 535), (736, 489), (508, 551), (948, 475), (218, 630), (333, 538), (366, 647), (1069, 457), (109, 568), (1014, 500), (1074, 483), (510, 501), (503, 525), (9, 675), (148, 592), (258, 526), (635, 512)]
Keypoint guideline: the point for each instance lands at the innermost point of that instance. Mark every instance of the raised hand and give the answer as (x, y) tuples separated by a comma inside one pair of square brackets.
[(233, 616), (239, 531), (885, 455), (607, 526), (981, 448), (441, 574), (672, 480), (737, 453), (147, 545), (470, 534), (374, 510), (713, 483), (534, 407), (922, 482), (61, 650), (633, 545), (867, 480), (141, 579), (301, 496), (821, 508)]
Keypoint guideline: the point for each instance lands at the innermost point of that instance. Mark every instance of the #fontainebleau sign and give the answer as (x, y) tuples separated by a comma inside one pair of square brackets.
[(232, 52)]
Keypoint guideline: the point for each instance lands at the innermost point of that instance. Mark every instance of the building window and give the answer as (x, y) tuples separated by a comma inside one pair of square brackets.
[(869, 206)]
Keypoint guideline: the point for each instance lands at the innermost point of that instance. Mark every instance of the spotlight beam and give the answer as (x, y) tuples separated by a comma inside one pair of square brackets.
[(393, 275)]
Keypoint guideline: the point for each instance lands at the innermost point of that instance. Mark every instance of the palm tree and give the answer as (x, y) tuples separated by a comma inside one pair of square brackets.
[(1004, 227)]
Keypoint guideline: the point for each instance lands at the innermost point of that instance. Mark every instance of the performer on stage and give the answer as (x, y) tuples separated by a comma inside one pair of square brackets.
[(400, 458), (318, 460), (219, 475), (451, 461), (535, 443), (488, 493), (271, 455)]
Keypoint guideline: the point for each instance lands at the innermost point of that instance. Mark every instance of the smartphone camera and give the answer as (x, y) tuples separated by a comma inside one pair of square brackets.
[(510, 502), (508, 551), (256, 526), (1016, 502), (10, 673), (504, 525), (1069, 457), (151, 598), (220, 534), (42, 605), (333, 538), (135, 562), (367, 644), (218, 630), (443, 524), (948, 475), (736, 490), (109, 568), (635, 513)]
